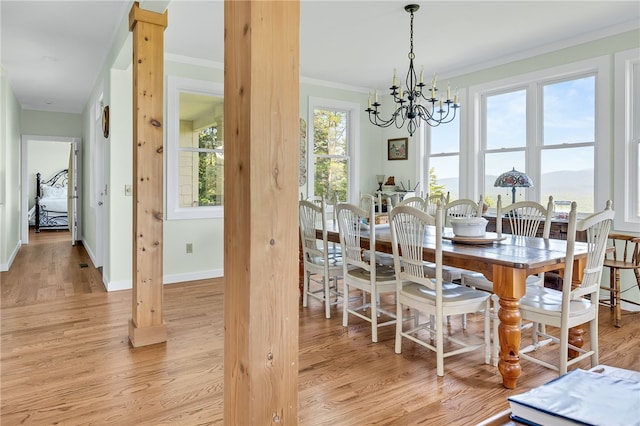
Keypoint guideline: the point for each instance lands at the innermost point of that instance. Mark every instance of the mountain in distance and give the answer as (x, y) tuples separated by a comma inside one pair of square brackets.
[(562, 185)]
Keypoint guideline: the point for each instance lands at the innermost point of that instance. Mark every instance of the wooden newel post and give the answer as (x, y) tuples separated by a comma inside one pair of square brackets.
[(147, 326), (261, 132)]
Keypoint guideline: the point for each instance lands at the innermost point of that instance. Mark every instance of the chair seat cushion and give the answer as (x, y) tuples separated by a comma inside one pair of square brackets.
[(319, 261), (449, 273), (452, 294), (383, 273), (544, 300), (381, 258)]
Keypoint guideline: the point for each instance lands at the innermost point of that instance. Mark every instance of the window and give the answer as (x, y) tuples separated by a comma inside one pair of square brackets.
[(444, 159), (544, 124), (332, 145), (568, 110), (201, 166), (627, 141), (505, 142), (195, 154)]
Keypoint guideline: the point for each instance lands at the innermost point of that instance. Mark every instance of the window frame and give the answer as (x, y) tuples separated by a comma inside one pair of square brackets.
[(353, 143), (626, 177), (176, 85), (534, 82)]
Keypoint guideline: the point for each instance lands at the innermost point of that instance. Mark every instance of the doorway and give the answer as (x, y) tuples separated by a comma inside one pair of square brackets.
[(49, 155)]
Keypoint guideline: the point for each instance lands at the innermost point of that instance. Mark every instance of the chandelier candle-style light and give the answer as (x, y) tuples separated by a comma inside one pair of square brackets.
[(409, 102)]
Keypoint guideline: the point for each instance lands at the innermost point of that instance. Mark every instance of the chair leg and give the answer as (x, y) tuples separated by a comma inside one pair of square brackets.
[(345, 305), (593, 336), (305, 289), (399, 322), (616, 291), (488, 348), (495, 347), (612, 280), (374, 317), (327, 296), (440, 350)]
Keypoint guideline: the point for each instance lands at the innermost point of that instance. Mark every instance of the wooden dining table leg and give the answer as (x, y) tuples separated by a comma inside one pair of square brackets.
[(510, 285)]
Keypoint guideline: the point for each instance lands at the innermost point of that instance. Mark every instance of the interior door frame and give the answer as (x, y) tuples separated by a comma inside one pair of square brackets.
[(76, 146), (96, 180)]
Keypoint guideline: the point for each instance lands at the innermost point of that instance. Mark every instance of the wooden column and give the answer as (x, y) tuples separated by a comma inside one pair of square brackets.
[(147, 326), (261, 114)]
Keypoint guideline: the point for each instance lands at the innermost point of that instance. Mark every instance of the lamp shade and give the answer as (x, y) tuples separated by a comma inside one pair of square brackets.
[(513, 178)]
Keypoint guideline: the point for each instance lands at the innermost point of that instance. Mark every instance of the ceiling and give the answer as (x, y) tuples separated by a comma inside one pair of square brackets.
[(52, 51)]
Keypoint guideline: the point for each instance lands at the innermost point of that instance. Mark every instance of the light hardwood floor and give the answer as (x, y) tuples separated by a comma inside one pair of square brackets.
[(66, 358)]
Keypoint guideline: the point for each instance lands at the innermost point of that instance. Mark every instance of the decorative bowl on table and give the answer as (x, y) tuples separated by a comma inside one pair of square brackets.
[(469, 226)]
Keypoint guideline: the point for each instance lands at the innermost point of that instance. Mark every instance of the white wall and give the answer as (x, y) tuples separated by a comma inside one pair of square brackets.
[(10, 115)]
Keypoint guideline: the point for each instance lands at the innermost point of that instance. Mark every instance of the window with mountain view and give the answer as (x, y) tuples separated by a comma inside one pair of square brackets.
[(545, 128), (444, 159)]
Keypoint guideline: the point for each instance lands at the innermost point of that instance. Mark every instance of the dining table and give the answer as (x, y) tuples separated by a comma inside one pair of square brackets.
[(504, 259)]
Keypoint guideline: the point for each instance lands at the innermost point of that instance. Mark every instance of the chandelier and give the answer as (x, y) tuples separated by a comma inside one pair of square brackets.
[(409, 102)]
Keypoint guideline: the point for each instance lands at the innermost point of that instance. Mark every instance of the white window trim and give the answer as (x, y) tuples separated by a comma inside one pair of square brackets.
[(353, 140), (626, 144), (175, 85), (602, 171)]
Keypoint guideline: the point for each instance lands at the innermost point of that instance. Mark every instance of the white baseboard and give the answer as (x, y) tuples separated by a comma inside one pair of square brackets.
[(4, 267), (625, 306), (167, 279), (117, 285), (90, 253), (192, 276)]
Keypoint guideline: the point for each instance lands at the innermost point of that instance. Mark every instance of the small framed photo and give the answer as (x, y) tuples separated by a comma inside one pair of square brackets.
[(397, 149)]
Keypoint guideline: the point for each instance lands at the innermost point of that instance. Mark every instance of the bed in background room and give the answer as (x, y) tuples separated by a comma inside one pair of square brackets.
[(50, 210)]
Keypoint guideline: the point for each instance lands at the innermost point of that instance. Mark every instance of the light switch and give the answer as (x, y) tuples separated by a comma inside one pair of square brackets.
[(128, 190)]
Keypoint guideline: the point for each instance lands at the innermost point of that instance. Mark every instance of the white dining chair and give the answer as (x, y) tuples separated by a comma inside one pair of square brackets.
[(430, 295), (415, 201), (321, 272), (525, 219), (431, 201), (363, 272), (573, 305)]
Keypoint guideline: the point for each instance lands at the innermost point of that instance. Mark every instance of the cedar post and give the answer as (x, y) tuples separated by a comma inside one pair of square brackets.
[(261, 110), (147, 326)]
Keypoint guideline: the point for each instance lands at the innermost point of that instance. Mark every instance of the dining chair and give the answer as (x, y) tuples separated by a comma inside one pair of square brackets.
[(361, 270), (524, 219), (463, 207), (415, 201), (321, 272), (577, 302), (366, 201), (432, 200), (429, 294), (624, 255), (330, 203)]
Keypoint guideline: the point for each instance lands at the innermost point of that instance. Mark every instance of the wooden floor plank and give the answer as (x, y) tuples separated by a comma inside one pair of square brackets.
[(66, 358)]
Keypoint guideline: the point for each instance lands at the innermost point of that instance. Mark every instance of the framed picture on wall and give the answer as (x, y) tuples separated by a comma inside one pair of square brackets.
[(397, 149)]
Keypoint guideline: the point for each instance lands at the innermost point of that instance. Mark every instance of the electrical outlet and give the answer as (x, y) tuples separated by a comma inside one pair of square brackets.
[(189, 248), (128, 190)]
